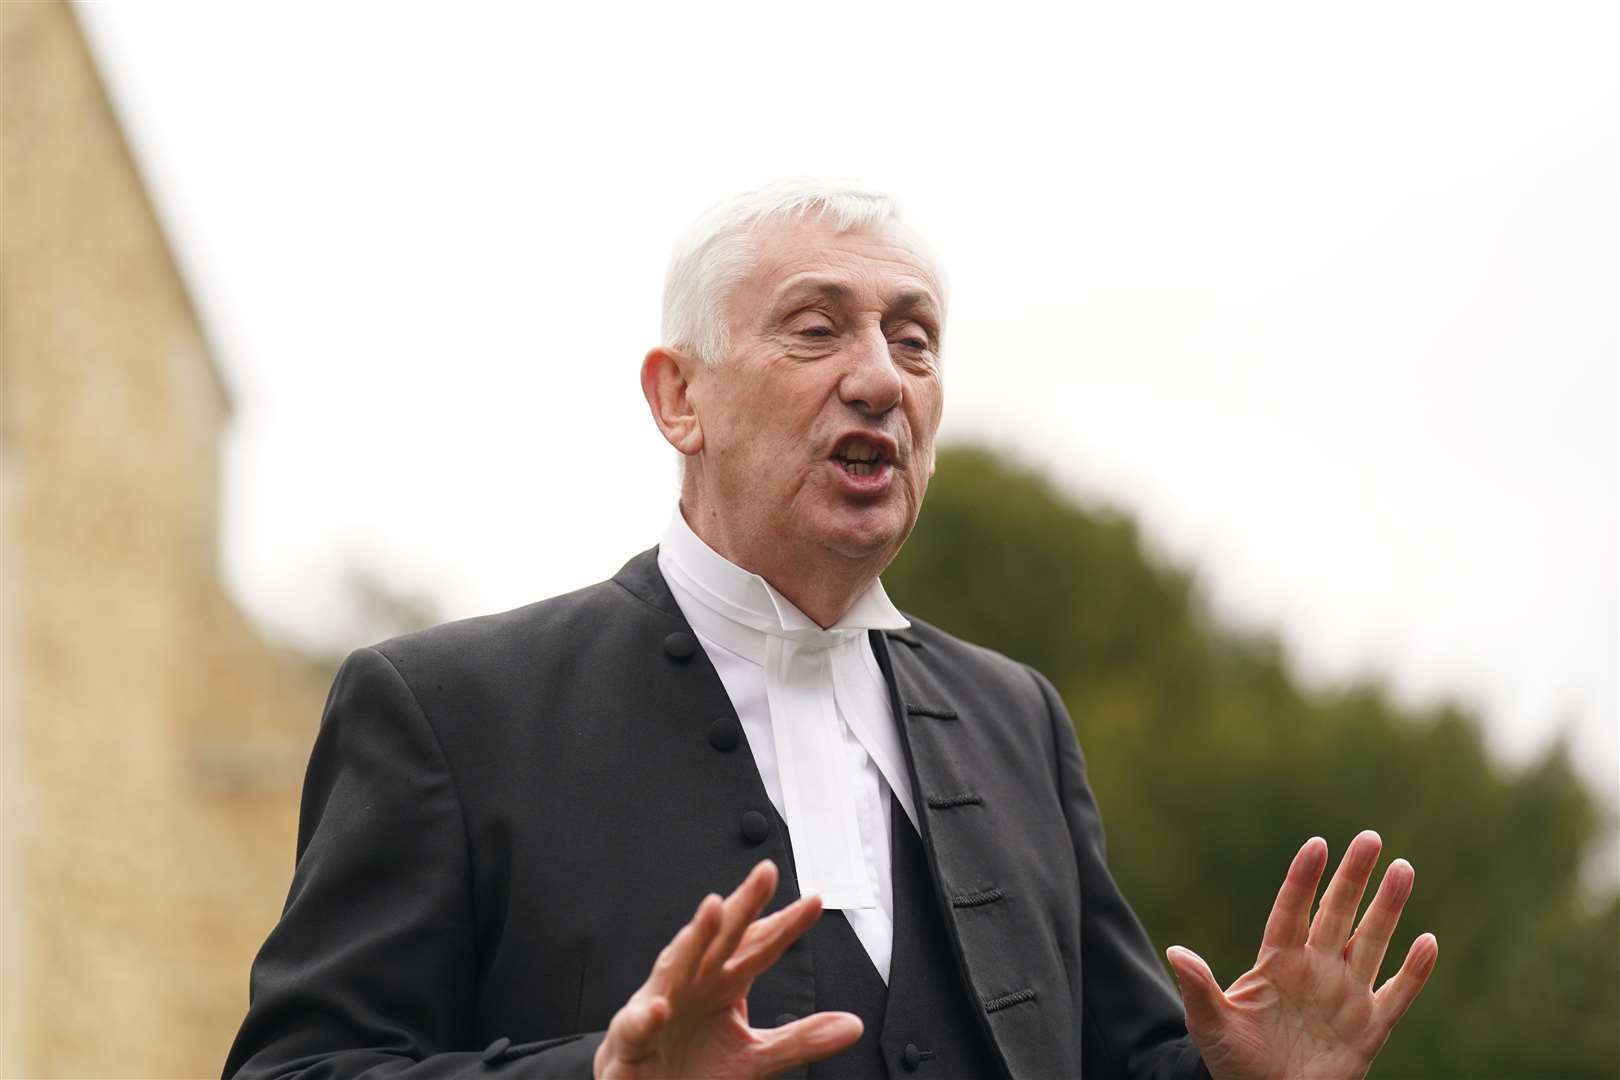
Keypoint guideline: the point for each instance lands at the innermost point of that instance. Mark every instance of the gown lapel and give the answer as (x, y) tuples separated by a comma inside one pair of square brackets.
[(992, 868)]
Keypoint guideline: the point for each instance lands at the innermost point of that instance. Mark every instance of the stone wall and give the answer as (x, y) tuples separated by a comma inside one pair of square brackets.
[(152, 743)]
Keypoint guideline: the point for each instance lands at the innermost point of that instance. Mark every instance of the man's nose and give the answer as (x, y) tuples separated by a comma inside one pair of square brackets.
[(872, 383)]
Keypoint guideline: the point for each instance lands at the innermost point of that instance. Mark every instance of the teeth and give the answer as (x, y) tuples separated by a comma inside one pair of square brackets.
[(859, 468), (860, 451)]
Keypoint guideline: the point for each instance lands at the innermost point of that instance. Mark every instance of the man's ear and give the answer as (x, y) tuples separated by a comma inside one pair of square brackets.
[(666, 382)]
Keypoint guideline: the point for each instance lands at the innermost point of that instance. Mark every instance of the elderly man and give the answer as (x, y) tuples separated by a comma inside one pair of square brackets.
[(511, 825)]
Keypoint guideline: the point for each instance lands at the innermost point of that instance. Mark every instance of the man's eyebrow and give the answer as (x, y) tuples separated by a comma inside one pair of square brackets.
[(914, 299), (909, 301), (813, 289)]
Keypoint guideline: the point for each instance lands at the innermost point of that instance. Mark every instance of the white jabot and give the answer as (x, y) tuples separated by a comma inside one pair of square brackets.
[(815, 709)]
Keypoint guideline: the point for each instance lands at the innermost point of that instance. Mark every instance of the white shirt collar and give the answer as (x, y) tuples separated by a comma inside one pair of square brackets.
[(745, 598)]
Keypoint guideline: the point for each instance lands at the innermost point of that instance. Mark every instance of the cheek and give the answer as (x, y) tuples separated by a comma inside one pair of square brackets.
[(924, 428)]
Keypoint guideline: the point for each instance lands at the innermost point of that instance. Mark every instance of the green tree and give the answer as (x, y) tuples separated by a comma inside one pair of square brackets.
[(1212, 764)]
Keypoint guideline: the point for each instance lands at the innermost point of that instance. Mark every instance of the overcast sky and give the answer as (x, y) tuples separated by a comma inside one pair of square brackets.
[(1327, 295)]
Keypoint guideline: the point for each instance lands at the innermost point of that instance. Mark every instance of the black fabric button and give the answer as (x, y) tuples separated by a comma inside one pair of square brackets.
[(680, 645), (911, 1057), (785, 1018), (754, 827), (724, 734), (495, 1049)]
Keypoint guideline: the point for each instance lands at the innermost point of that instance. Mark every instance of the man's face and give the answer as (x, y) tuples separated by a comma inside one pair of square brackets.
[(818, 428)]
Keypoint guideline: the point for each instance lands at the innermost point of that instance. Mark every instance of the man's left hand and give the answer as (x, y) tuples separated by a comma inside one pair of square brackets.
[(1307, 1008)]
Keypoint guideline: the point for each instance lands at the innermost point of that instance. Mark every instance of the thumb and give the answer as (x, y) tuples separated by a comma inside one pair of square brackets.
[(1200, 993), (805, 1041)]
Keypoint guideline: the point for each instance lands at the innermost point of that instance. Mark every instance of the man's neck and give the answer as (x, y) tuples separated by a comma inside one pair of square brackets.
[(821, 583)]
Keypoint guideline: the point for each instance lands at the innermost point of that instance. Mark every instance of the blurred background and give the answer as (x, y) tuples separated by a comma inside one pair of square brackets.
[(1281, 397)]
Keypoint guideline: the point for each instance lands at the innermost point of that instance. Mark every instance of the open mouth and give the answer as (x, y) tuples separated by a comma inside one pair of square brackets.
[(861, 457)]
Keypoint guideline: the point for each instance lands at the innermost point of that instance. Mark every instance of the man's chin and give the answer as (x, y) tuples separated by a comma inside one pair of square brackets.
[(866, 535)]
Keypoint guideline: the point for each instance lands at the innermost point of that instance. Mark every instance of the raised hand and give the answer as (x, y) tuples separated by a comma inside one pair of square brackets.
[(690, 1018), (1307, 1009)]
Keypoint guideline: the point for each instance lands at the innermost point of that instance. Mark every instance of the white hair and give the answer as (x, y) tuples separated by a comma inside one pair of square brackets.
[(716, 253)]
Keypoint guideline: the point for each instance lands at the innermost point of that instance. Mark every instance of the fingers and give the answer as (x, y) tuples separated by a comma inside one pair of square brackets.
[(1397, 995), (709, 963), (763, 931), (1365, 952), (768, 938), (1337, 914), (1290, 917), (803, 1041), (1200, 993), (680, 959), (739, 911)]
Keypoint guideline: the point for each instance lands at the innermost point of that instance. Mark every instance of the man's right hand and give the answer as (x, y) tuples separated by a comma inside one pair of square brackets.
[(690, 1018)]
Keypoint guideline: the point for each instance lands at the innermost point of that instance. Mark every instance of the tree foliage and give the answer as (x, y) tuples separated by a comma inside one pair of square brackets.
[(1212, 764)]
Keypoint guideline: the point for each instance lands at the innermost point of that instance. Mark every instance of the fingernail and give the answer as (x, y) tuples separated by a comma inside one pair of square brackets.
[(1401, 873)]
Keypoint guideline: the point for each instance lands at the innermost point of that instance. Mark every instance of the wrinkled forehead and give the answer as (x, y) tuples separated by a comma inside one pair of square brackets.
[(880, 266)]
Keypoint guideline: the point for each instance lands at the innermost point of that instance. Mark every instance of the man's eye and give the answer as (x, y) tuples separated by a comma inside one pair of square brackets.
[(816, 331), (913, 343)]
